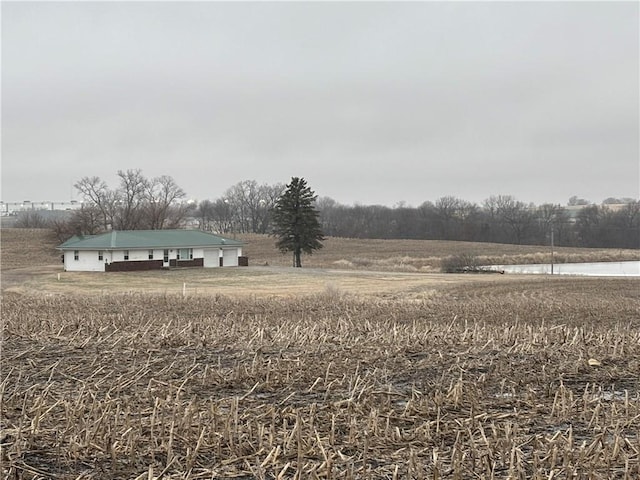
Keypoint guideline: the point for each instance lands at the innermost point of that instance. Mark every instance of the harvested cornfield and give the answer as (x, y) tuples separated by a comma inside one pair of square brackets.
[(533, 380)]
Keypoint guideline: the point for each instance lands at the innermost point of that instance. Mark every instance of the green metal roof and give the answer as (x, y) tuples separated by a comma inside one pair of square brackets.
[(132, 239)]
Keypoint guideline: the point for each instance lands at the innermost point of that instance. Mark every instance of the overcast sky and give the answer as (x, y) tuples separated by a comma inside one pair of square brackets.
[(373, 103)]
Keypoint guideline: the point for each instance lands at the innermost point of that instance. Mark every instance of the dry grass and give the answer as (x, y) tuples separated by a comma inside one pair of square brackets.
[(27, 247), (485, 381), (248, 281), (421, 255), (350, 375)]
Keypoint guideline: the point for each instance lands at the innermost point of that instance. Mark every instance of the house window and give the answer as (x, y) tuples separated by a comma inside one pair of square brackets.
[(76, 255), (126, 254), (165, 257), (185, 254), (100, 255), (150, 254)]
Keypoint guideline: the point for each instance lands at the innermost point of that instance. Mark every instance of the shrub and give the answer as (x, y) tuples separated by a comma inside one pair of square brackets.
[(462, 262)]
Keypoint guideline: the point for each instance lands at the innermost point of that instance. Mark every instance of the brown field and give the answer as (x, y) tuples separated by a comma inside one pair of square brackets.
[(23, 248), (421, 255), (272, 372)]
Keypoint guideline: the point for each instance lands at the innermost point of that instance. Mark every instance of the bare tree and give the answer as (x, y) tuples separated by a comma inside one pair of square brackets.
[(130, 197), (205, 215), (328, 209), (513, 215), (547, 216), (31, 219), (252, 204), (223, 216), (177, 214), (85, 221), (268, 198), (236, 198), (588, 226), (454, 217), (96, 193), (162, 203), (625, 226), (138, 203), (630, 214)]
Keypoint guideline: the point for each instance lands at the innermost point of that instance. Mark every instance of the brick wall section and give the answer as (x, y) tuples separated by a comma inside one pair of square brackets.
[(140, 265), (134, 266), (196, 262)]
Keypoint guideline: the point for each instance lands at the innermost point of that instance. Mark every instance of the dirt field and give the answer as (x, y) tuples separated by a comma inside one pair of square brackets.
[(272, 372)]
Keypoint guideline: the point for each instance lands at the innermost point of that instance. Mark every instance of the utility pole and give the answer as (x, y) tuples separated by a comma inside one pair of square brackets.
[(551, 249)]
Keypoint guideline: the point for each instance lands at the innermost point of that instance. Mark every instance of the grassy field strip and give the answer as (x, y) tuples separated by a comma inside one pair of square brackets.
[(36, 247), (257, 281)]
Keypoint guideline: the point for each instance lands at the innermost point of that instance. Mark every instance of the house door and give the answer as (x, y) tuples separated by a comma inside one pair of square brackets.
[(165, 258)]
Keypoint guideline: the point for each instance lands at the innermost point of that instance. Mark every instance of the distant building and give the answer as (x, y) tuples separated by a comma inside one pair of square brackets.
[(574, 210), (129, 250), (13, 208)]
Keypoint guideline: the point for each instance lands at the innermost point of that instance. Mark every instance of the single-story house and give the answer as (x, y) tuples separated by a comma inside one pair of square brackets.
[(128, 250)]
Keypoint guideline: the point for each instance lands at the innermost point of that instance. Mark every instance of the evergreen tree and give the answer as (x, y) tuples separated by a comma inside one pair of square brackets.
[(295, 221)]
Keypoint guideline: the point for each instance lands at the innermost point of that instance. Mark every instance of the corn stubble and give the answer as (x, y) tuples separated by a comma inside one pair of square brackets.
[(486, 382)]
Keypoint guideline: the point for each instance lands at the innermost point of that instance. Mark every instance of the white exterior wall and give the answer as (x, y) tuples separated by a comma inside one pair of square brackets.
[(118, 255), (138, 255), (87, 261)]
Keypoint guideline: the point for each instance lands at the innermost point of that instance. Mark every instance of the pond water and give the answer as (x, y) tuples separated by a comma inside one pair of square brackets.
[(607, 269)]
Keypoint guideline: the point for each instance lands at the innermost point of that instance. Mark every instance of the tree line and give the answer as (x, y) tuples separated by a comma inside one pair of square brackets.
[(248, 207), (499, 219)]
